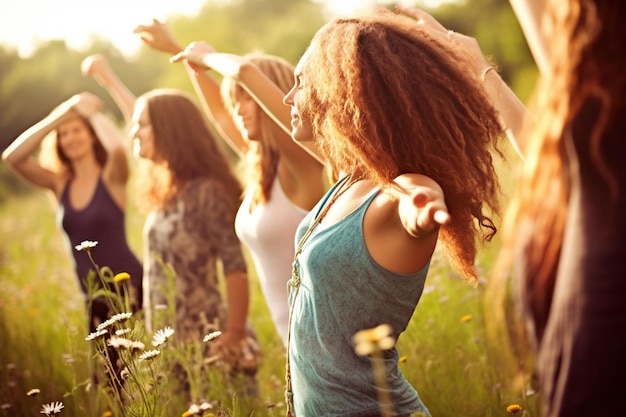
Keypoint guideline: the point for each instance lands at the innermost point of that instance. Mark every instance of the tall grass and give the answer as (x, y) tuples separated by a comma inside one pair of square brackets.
[(447, 353)]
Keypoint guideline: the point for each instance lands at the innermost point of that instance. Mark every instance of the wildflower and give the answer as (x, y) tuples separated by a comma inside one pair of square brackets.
[(212, 336), (466, 318), (402, 359), (33, 392), (118, 318), (122, 332), (125, 373), (513, 408), (371, 340), (117, 342), (192, 411), (136, 345), (52, 409), (122, 276), (205, 406), (151, 354), (107, 414), (86, 244), (97, 334), (161, 336)]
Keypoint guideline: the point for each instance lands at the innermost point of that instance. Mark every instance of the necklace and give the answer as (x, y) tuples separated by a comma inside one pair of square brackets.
[(347, 182)]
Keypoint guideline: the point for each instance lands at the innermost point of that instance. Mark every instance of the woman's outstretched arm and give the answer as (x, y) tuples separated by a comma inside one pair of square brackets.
[(158, 36)]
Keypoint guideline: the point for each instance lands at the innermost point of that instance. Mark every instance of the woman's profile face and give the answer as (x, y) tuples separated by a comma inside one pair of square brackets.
[(141, 132), (246, 115), (301, 129), (75, 139)]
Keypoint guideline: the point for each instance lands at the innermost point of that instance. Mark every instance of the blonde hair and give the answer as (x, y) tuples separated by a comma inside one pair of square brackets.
[(186, 150), (263, 156), (387, 98)]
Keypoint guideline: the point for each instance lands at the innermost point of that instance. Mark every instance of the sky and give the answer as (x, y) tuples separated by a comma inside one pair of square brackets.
[(26, 23)]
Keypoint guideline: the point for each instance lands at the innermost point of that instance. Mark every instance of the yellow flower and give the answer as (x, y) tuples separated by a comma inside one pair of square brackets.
[(372, 340), (107, 414), (466, 318), (513, 408), (187, 414), (122, 276), (402, 359)]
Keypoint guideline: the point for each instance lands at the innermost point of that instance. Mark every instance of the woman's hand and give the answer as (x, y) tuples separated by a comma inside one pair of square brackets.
[(468, 44), (85, 104), (422, 207), (97, 67), (195, 53), (158, 36)]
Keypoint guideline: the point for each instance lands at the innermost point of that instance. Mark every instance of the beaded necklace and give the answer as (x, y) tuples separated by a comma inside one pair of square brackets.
[(295, 280)]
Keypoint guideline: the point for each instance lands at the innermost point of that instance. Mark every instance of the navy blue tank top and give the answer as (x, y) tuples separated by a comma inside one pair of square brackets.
[(102, 220)]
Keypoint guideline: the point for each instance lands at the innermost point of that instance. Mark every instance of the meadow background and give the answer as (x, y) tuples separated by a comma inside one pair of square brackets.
[(463, 350)]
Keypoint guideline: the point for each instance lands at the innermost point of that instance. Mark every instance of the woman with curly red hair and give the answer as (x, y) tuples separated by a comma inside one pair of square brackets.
[(399, 112)]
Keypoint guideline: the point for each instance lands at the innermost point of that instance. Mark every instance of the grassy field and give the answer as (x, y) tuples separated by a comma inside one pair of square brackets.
[(452, 351)]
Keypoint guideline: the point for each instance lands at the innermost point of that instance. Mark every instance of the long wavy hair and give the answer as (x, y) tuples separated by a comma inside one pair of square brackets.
[(186, 150), (387, 98), (586, 37), (52, 157), (263, 156)]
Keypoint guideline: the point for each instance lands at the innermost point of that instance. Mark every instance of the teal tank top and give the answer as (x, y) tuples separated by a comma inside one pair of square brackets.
[(342, 291)]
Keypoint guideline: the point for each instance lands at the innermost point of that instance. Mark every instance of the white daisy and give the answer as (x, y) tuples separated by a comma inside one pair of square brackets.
[(86, 244), (161, 336), (212, 336), (150, 354), (118, 318), (52, 409)]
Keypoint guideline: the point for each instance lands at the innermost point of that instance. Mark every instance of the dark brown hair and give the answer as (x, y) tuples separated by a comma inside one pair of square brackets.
[(186, 150)]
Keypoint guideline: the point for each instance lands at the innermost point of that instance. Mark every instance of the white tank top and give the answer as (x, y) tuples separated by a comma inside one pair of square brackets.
[(268, 234)]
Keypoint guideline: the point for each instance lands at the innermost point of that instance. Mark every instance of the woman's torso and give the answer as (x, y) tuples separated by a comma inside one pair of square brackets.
[(581, 355), (342, 291), (101, 220), (268, 233), (192, 234)]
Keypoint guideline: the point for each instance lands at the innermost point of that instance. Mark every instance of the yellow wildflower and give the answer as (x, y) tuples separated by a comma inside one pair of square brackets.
[(466, 318), (122, 276), (402, 359), (107, 414), (513, 408), (372, 340)]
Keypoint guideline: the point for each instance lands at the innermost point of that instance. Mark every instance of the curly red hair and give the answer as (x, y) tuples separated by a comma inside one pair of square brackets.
[(386, 98)]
